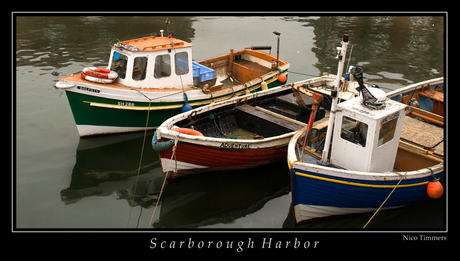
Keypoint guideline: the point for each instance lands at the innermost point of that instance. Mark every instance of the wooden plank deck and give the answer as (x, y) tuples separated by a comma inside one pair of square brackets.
[(422, 133), (266, 124)]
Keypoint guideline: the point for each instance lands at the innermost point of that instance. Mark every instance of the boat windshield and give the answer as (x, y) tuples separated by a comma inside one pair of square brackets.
[(387, 131), (119, 64), (162, 66), (181, 60), (354, 131), (139, 68)]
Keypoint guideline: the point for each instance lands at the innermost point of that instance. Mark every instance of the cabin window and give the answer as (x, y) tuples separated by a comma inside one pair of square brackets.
[(139, 68), (387, 131), (119, 63), (162, 66), (354, 131), (181, 60)]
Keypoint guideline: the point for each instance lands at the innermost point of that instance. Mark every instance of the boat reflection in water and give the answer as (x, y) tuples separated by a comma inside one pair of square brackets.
[(105, 165), (108, 166), (208, 198)]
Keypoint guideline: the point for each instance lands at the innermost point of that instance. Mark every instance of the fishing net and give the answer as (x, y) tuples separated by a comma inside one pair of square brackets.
[(368, 98)]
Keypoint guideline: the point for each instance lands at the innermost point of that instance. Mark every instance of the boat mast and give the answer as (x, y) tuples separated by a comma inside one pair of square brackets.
[(334, 93), (277, 49)]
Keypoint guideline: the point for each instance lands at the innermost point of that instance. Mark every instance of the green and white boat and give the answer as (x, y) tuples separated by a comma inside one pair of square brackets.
[(155, 78)]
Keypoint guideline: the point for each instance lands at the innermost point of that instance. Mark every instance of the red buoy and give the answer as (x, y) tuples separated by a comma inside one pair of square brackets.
[(434, 188), (282, 77)]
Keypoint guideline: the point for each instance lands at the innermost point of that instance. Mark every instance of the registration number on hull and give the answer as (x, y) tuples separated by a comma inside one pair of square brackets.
[(130, 104)]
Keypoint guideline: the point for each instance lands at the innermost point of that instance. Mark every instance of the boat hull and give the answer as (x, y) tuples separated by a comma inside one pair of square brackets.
[(99, 110), (98, 115), (192, 158), (317, 195)]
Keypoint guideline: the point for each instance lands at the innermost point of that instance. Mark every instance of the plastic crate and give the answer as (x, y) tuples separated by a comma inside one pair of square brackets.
[(205, 73), (196, 70)]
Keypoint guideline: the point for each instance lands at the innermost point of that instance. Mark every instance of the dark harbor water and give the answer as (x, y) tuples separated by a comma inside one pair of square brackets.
[(63, 181)]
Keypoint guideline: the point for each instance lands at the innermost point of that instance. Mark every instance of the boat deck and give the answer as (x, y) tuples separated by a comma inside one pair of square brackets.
[(421, 133), (240, 134), (262, 118), (223, 84), (243, 71), (255, 67)]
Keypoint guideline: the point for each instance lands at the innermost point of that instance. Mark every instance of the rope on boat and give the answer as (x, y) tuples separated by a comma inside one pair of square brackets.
[(166, 176), (305, 74), (375, 213), (143, 145), (381, 87), (214, 119), (140, 163)]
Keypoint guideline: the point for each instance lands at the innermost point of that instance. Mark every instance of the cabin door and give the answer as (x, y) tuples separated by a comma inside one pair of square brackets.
[(350, 146)]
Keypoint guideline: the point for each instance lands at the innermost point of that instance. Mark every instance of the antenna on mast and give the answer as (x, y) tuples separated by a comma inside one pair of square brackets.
[(167, 26), (277, 49)]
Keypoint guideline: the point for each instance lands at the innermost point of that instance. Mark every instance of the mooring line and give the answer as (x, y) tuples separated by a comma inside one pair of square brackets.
[(140, 162), (166, 176), (375, 213)]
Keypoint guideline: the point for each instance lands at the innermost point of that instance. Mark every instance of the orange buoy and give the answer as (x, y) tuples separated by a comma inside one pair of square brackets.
[(282, 77), (434, 188)]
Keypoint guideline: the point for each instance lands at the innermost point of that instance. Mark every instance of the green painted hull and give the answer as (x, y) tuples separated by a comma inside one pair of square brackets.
[(85, 114), (96, 115)]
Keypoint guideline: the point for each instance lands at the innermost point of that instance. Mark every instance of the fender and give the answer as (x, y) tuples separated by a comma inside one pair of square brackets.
[(159, 146)]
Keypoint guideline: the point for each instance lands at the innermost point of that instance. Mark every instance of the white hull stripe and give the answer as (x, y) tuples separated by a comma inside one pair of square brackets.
[(86, 130), (180, 165), (307, 212)]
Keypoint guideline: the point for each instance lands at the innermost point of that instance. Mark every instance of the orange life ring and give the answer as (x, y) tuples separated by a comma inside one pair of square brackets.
[(100, 73), (188, 131), (96, 79)]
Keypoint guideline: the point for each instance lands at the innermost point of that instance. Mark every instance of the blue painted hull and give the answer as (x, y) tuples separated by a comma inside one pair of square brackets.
[(324, 190)]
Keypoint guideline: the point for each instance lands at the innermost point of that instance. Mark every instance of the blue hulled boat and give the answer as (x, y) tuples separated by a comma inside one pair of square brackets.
[(379, 150)]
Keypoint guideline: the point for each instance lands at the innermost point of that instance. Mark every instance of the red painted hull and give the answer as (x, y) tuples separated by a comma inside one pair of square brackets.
[(193, 158)]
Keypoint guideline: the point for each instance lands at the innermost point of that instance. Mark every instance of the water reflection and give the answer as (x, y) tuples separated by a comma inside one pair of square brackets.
[(395, 49), (221, 197), (62, 40), (408, 47), (107, 165)]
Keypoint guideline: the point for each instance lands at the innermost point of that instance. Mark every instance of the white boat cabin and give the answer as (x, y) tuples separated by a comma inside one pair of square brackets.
[(367, 138), (153, 62)]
